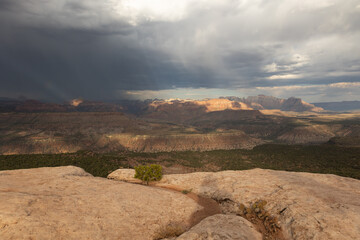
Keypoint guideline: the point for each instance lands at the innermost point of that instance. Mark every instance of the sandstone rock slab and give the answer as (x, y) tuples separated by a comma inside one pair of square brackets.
[(309, 206), (68, 203)]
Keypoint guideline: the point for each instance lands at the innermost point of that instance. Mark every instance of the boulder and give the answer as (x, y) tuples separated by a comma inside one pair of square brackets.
[(125, 175), (223, 227)]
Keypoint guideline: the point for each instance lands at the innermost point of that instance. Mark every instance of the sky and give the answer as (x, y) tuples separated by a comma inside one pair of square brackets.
[(139, 49)]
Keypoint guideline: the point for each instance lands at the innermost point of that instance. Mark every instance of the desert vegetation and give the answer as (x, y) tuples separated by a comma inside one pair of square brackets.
[(343, 161), (265, 223), (169, 231), (148, 173)]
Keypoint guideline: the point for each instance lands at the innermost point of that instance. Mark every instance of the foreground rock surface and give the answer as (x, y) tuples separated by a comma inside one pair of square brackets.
[(68, 203), (226, 227), (309, 206)]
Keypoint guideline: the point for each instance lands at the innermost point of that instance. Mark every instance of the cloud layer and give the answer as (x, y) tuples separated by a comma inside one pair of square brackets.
[(63, 49)]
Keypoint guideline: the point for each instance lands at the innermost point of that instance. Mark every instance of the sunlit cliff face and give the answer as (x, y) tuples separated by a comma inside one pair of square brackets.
[(223, 104), (211, 105), (76, 102)]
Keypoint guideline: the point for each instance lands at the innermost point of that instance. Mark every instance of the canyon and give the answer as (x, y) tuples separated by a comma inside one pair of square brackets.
[(168, 125)]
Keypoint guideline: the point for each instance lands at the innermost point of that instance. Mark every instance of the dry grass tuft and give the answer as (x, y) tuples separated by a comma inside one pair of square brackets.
[(170, 230), (265, 223)]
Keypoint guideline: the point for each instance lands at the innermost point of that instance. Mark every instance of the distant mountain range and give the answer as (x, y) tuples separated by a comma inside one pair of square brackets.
[(261, 102), (76, 105), (339, 106), (176, 108)]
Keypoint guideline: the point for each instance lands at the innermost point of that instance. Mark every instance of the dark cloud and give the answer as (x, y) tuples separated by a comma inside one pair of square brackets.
[(97, 50), (82, 64), (6, 4)]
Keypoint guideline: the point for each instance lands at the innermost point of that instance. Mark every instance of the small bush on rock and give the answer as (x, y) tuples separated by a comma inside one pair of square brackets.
[(148, 173), (186, 191)]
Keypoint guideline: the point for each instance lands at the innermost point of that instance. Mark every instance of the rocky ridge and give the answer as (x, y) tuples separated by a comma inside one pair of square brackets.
[(159, 107), (261, 102)]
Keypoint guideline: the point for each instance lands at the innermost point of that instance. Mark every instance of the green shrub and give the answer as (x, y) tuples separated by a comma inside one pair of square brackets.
[(186, 191), (148, 173)]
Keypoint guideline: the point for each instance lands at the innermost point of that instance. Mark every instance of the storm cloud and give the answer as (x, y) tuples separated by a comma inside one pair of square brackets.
[(102, 50)]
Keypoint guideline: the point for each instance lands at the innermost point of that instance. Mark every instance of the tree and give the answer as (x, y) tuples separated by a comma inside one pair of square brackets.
[(148, 173)]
